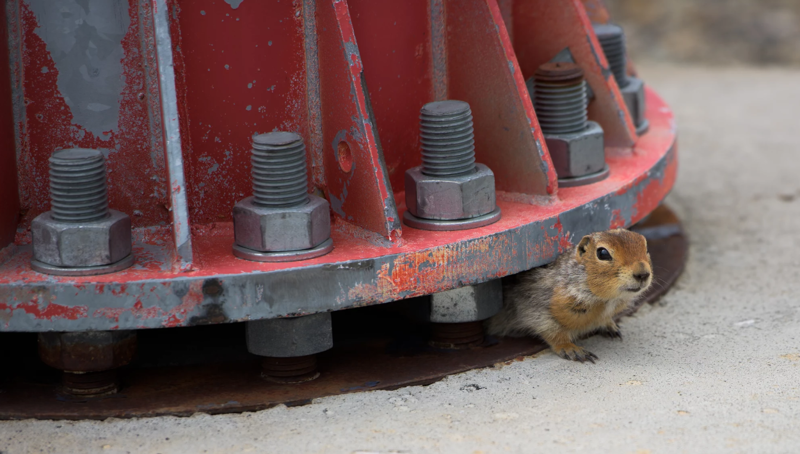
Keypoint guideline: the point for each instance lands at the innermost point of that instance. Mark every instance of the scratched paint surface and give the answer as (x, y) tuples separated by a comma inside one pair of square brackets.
[(68, 58), (240, 72), (507, 134), (359, 271), (394, 42)]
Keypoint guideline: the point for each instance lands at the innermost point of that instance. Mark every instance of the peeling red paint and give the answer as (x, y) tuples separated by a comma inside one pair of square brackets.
[(47, 311), (424, 272), (138, 311), (652, 194), (551, 245), (136, 176), (191, 301), (617, 221)]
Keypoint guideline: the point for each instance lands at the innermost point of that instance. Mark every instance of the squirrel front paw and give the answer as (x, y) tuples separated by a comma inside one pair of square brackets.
[(574, 353), (612, 332)]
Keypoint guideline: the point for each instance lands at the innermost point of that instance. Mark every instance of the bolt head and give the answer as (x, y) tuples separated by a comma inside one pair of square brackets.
[(450, 198), (471, 303), (68, 244), (579, 153), (633, 94), (290, 336), (91, 351), (281, 229)]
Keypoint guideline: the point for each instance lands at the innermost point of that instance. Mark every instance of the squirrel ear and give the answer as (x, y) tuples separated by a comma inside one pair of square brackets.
[(582, 245)]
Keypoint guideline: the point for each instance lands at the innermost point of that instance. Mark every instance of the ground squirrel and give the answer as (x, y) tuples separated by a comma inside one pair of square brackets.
[(579, 293)]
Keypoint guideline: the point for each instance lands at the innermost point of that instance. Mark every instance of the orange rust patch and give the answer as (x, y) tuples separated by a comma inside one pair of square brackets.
[(425, 272)]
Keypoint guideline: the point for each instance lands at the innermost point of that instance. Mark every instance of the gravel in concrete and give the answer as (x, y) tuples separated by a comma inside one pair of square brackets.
[(714, 368)]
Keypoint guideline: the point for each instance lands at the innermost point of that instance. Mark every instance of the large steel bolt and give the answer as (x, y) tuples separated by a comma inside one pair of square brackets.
[(575, 143), (88, 360), (612, 40), (289, 346), (560, 98), (456, 315), (279, 170), (80, 235), (449, 191), (281, 221)]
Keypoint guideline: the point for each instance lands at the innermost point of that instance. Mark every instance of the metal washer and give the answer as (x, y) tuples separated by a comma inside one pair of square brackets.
[(642, 128), (283, 256), (45, 268), (460, 224), (586, 179)]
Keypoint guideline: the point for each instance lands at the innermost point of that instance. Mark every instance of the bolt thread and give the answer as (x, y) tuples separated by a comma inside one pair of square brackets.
[(612, 40), (90, 383), (559, 98), (448, 142), (294, 369), (456, 335), (78, 190), (280, 178)]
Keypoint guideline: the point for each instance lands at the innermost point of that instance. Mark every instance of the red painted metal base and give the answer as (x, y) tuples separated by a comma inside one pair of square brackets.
[(362, 269), (185, 85)]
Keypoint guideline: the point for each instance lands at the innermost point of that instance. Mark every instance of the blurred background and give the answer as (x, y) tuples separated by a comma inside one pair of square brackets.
[(715, 32)]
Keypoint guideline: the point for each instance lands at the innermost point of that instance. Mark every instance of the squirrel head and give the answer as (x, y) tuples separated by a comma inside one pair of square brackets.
[(617, 263)]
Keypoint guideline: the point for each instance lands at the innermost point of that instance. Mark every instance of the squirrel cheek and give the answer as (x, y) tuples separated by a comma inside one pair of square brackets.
[(605, 286)]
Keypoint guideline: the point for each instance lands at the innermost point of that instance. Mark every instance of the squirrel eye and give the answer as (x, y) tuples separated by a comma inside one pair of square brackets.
[(603, 254)]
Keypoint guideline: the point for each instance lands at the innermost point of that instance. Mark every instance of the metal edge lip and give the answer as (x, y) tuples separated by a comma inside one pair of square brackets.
[(45, 268), (285, 256), (461, 224)]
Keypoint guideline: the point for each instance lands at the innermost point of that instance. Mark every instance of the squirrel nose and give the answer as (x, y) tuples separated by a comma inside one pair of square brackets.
[(641, 277)]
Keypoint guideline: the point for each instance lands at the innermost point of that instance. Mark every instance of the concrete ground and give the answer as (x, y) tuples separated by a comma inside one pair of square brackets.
[(714, 368)]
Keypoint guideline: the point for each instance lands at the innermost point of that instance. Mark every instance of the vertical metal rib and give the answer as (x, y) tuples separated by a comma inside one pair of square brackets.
[(172, 136)]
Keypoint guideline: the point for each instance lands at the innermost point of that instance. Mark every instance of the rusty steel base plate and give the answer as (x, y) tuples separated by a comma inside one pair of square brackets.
[(207, 369)]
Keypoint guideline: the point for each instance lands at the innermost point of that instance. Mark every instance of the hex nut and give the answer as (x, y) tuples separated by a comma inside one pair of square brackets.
[(294, 228), (70, 244), (290, 336), (633, 94), (450, 198), (471, 303), (90, 351), (577, 154)]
